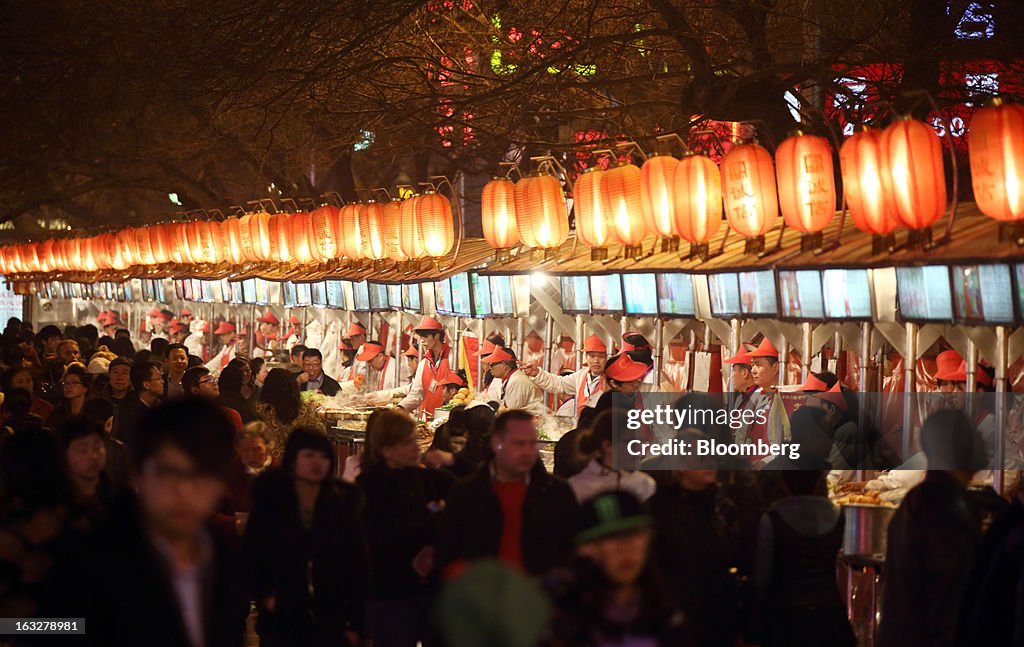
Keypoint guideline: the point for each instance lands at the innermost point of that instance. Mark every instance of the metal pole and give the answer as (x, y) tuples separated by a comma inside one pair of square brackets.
[(1001, 365), (735, 343), (972, 368), (806, 350), (305, 322), (520, 333), (579, 342), (546, 357), (837, 348), (909, 370), (398, 343), (862, 414), (252, 331), (479, 364), (659, 342), (783, 361)]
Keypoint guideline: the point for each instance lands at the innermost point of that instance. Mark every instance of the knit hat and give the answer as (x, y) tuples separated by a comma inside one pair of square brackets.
[(490, 604), (610, 514)]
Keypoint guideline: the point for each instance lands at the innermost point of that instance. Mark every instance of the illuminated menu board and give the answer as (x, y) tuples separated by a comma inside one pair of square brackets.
[(501, 296), (361, 296), (924, 293), (724, 290), (411, 296), (983, 294), (378, 293), (575, 295), (847, 294), (481, 295), (606, 294), (675, 295), (443, 296), (461, 301), (640, 292), (757, 294), (335, 294), (800, 294), (318, 294)]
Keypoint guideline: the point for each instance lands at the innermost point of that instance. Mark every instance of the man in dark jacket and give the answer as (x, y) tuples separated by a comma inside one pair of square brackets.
[(932, 539), (155, 575), (312, 377), (511, 508), (147, 390)]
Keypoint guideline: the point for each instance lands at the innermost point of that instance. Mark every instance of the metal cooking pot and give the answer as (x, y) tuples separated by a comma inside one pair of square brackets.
[(866, 529)]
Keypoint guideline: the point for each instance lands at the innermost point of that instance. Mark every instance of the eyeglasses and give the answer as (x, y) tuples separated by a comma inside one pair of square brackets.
[(209, 380), (66, 383)]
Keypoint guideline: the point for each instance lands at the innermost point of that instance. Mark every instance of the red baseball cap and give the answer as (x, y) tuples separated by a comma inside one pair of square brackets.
[(813, 383), (741, 357), (355, 328), (499, 355), (155, 312), (625, 369), (369, 352), (765, 349), (833, 396), (453, 380), (293, 320), (593, 344), (224, 328), (205, 328), (268, 317), (411, 352), (428, 323), (486, 349), (345, 345), (185, 312), (178, 327), (950, 366)]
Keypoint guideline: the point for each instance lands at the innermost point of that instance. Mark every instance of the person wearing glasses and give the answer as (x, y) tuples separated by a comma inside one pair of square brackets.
[(200, 383), (147, 392), (74, 384)]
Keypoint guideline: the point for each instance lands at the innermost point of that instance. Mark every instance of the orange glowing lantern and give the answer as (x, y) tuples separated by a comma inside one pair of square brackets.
[(697, 195), (913, 172), (393, 230), (298, 237), (620, 190), (255, 230), (541, 212), (410, 238), (592, 225), (748, 190), (349, 235), (87, 259), (996, 147), (231, 239), (807, 186), (656, 194), (371, 225), (106, 253), (498, 213), (323, 233), (280, 229), (124, 247), (434, 216), (860, 163)]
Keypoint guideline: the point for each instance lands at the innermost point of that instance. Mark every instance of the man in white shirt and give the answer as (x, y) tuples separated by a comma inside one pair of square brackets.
[(225, 332), (382, 370), (582, 384), (517, 391), (426, 392)]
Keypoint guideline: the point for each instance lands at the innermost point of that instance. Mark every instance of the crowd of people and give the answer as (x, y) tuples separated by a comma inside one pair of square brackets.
[(166, 502)]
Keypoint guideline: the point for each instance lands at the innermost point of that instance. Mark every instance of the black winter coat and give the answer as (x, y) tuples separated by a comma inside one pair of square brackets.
[(118, 581), (472, 523), (400, 518), (286, 560)]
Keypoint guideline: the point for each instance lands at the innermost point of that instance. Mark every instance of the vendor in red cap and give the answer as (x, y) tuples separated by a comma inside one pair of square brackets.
[(517, 391), (581, 385), (451, 385), (179, 332), (348, 361), (109, 324), (267, 334), (640, 350), (951, 376), (426, 393), (185, 316), (765, 363), (381, 369), (291, 338), (743, 384), (411, 356), (356, 336), (145, 336), (492, 387), (225, 333)]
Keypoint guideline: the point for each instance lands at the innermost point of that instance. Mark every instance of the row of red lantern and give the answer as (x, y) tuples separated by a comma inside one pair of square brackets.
[(892, 177), (419, 227)]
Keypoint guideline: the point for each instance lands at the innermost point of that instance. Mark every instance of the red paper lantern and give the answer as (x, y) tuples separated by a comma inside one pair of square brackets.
[(255, 233), (656, 194), (996, 147), (860, 163), (298, 237), (697, 198), (231, 237), (434, 213), (349, 234), (913, 172), (807, 186), (592, 226), (748, 190), (541, 213), (323, 233), (158, 243), (279, 234), (410, 237), (393, 230), (371, 225), (620, 189), (498, 213)]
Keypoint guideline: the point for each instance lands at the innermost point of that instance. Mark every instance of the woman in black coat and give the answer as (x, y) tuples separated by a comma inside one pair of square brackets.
[(403, 501), (306, 550)]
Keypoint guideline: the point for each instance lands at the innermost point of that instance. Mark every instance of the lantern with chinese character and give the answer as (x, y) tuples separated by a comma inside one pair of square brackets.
[(393, 230), (255, 231), (323, 233), (913, 172), (656, 194), (807, 187), (371, 224), (592, 225), (410, 239), (697, 193), (620, 189), (498, 213), (179, 243), (280, 250), (155, 246), (349, 235), (748, 190), (860, 162), (541, 212), (435, 224), (996, 147)]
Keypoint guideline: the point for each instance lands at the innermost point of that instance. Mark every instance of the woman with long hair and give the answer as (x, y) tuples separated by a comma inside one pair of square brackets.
[(280, 406), (403, 501), (306, 549)]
